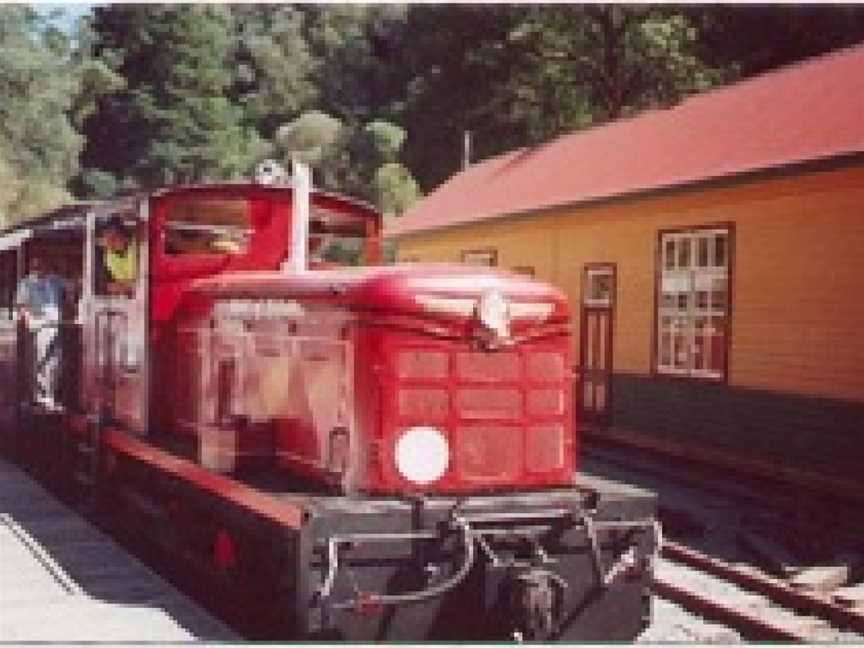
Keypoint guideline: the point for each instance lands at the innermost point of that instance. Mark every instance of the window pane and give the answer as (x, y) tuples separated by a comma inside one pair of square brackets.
[(683, 253), (702, 299), (719, 298), (680, 357), (702, 254), (670, 254), (701, 342), (598, 290), (207, 226), (665, 355), (480, 257), (720, 251), (718, 345)]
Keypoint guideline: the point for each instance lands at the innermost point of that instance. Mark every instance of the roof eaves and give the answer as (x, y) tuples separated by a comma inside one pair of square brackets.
[(826, 163)]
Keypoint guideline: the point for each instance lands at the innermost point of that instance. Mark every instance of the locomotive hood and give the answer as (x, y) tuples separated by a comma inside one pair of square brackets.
[(437, 291)]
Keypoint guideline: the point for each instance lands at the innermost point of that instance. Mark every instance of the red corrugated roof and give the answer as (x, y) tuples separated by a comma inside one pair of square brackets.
[(807, 111)]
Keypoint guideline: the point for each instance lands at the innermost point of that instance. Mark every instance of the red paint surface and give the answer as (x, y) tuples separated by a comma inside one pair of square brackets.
[(384, 310), (807, 111), (392, 316), (224, 488)]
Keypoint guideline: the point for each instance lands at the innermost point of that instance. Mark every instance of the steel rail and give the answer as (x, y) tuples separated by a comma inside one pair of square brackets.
[(753, 625), (809, 602)]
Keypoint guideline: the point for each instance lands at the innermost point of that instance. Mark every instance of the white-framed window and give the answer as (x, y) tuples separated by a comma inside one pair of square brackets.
[(693, 303)]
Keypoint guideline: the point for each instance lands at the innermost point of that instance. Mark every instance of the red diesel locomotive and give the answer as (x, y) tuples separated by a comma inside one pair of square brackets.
[(376, 452)]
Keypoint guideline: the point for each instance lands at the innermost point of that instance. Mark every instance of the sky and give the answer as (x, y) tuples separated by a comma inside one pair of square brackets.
[(71, 11)]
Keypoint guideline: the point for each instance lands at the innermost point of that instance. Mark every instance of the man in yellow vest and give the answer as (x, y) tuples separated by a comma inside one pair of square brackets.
[(121, 258)]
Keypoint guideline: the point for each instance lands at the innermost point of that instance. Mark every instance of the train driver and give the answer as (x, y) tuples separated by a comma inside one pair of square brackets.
[(40, 300), (120, 258)]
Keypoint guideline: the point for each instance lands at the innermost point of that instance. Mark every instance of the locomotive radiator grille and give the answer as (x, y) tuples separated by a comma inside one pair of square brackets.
[(504, 412), (488, 452)]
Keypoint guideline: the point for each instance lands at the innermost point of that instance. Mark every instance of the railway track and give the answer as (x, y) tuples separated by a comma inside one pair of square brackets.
[(707, 569), (759, 607)]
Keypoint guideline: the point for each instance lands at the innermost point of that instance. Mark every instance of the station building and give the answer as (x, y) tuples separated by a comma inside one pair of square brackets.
[(713, 253)]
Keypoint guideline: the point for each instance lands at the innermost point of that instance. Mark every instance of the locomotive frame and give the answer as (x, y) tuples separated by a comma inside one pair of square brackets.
[(295, 509)]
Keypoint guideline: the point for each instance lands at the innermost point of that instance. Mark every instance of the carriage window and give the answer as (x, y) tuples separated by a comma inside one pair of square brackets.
[(693, 305), (208, 226)]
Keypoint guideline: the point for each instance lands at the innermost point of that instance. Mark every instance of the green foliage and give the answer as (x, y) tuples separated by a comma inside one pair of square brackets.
[(346, 252), (38, 146), (360, 161), (383, 141), (518, 75), (355, 50), (174, 121), (395, 188), (754, 38), (309, 138), (97, 184), (376, 97), (274, 69)]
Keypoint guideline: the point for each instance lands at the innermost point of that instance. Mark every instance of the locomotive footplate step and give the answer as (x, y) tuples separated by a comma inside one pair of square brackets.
[(63, 580)]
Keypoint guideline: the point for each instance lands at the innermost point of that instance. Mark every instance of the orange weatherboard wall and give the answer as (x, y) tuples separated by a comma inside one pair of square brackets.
[(797, 316)]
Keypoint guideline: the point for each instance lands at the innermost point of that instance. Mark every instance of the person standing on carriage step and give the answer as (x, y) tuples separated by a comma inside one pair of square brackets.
[(40, 299)]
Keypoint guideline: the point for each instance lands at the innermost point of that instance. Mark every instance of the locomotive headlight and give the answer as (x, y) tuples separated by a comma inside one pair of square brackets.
[(422, 455)]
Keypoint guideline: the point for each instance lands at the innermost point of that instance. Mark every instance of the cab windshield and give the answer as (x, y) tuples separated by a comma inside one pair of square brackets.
[(208, 226)]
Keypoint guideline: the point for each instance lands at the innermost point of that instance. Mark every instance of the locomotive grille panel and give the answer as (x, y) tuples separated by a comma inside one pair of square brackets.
[(545, 402), (499, 432), (417, 364), (546, 367), (488, 367), (488, 453), (424, 404), (473, 403), (544, 448)]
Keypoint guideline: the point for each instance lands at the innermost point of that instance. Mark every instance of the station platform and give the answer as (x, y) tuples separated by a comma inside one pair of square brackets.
[(63, 580)]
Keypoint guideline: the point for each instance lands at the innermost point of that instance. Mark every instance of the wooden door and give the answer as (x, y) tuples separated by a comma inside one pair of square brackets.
[(596, 329)]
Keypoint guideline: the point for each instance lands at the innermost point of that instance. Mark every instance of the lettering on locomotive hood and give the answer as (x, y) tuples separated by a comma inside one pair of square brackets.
[(258, 309)]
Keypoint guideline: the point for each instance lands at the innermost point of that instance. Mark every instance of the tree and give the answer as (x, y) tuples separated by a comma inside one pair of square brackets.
[(38, 145), (754, 38), (174, 121), (358, 160), (274, 70), (518, 75), (395, 188), (309, 138), (356, 56)]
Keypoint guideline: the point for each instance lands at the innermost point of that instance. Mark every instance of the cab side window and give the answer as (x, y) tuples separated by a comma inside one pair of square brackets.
[(116, 259)]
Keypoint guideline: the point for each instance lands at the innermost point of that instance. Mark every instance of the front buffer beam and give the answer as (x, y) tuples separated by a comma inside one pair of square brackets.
[(570, 564)]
